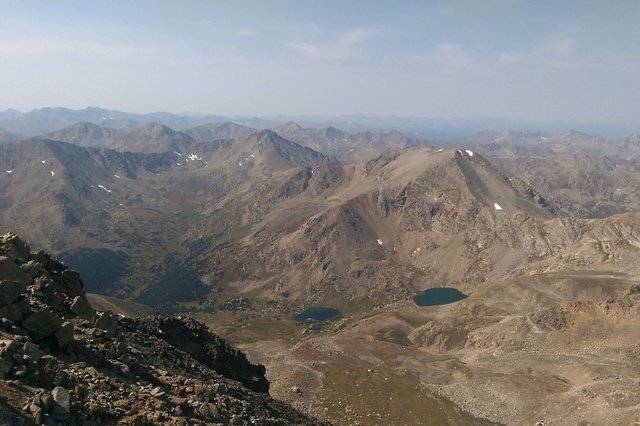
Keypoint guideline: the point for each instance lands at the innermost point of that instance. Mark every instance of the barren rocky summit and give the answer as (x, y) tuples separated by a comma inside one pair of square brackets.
[(61, 362)]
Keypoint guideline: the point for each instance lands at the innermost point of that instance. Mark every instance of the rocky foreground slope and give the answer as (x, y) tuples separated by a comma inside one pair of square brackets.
[(61, 362)]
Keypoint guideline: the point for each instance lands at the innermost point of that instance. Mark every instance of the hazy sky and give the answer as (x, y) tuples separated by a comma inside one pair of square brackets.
[(538, 60)]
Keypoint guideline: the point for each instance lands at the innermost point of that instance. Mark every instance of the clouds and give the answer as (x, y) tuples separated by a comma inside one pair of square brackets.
[(564, 47), (510, 58), (343, 45), (549, 53), (450, 55), (38, 47)]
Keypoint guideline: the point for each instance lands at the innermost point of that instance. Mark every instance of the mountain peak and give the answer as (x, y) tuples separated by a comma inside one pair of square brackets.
[(86, 126), (290, 126), (333, 133), (157, 129), (278, 152), (220, 130)]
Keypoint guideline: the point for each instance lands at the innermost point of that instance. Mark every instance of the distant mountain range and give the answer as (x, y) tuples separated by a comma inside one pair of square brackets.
[(247, 223), (156, 137), (135, 208), (46, 120)]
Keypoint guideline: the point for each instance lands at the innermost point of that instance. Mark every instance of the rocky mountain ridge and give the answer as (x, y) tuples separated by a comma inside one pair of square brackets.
[(587, 175), (61, 362), (262, 211), (256, 204)]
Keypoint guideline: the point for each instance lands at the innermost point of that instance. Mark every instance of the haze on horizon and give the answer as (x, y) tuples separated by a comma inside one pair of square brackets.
[(536, 60)]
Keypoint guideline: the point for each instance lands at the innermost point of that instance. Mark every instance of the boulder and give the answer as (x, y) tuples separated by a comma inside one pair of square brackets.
[(81, 307), (11, 290), (32, 268), (15, 311), (13, 246), (11, 271), (64, 335), (73, 281), (61, 404), (32, 350), (209, 411), (41, 323), (7, 347), (107, 322)]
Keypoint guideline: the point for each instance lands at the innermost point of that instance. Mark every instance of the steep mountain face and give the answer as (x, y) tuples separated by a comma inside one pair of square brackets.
[(88, 135), (61, 362), (45, 174), (385, 230), (152, 137), (277, 153), (586, 175), (100, 204), (586, 186), (155, 137), (6, 137), (225, 130), (506, 144), (277, 221), (347, 147), (101, 209)]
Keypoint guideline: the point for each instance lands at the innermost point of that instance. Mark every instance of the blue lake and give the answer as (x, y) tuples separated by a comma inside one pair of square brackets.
[(317, 314), (439, 296)]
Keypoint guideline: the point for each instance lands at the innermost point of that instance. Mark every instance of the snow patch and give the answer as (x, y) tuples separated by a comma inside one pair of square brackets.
[(194, 157), (239, 163), (177, 153), (42, 161), (253, 156), (52, 173), (497, 206), (9, 171), (379, 242), (100, 186), (469, 152), (459, 152), (116, 176), (178, 164)]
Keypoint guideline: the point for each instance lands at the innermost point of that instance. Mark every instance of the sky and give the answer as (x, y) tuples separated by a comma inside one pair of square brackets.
[(535, 60)]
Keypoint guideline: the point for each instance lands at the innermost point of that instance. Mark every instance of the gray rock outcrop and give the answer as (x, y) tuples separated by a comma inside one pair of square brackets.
[(61, 362)]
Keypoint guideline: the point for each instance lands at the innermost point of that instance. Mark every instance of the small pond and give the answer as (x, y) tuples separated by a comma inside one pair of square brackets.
[(439, 296), (317, 314)]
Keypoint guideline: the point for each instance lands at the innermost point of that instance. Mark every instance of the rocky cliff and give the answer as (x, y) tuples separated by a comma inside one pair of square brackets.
[(61, 362)]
